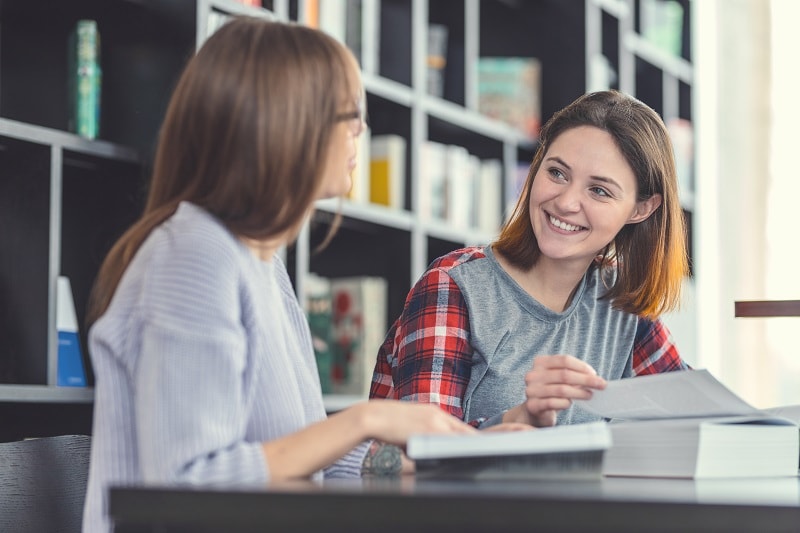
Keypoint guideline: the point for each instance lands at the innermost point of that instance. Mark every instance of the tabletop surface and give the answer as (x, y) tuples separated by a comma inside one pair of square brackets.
[(422, 505)]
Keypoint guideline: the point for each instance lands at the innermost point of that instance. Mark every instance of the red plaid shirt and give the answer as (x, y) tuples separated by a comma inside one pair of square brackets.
[(427, 356)]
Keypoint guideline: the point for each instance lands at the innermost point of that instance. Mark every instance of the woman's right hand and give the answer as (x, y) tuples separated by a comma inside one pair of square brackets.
[(394, 421), (550, 386)]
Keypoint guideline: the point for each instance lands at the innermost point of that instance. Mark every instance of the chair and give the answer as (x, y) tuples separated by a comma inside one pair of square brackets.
[(43, 484)]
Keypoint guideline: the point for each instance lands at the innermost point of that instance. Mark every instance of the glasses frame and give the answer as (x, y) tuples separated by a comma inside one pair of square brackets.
[(357, 114)]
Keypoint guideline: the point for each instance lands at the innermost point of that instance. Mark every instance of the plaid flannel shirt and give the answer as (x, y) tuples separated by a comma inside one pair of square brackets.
[(427, 356)]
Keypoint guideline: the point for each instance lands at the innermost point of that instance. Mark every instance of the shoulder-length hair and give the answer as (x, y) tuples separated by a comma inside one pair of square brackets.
[(650, 256), (245, 136)]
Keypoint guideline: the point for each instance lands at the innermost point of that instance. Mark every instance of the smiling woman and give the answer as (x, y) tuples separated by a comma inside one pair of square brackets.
[(569, 295)]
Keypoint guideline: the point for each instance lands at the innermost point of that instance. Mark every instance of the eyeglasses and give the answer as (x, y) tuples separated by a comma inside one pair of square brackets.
[(357, 118)]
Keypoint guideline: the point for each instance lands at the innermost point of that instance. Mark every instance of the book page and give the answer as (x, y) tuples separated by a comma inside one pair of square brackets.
[(682, 394)]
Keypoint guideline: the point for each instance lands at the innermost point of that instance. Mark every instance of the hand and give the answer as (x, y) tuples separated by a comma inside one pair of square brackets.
[(394, 421), (550, 386)]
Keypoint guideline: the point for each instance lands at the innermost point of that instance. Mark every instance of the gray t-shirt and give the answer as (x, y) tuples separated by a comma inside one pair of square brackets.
[(509, 329)]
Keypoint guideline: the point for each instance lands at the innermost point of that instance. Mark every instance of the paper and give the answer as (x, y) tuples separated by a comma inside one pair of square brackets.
[(681, 394)]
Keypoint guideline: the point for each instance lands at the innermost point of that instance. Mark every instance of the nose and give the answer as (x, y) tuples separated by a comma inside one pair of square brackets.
[(569, 198)]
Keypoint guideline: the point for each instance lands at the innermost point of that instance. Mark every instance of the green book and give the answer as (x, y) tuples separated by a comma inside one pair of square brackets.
[(84, 79)]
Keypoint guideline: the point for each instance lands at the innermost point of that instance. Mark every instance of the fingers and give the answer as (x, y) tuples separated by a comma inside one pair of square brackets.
[(553, 382), (563, 370)]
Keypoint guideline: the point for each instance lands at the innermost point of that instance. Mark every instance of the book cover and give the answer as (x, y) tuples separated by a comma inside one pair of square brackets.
[(70, 372), (460, 188), (509, 90), (436, 59), (319, 310), (333, 18), (387, 181), (84, 79), (564, 452), (433, 181), (359, 327), (490, 195), (687, 424)]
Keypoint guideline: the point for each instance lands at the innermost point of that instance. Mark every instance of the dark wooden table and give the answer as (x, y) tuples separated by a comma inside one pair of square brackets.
[(437, 506)]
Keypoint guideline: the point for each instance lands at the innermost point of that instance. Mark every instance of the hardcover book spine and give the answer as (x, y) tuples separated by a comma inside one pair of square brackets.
[(85, 79)]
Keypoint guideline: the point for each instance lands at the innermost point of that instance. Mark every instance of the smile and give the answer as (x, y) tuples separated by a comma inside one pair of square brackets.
[(560, 224)]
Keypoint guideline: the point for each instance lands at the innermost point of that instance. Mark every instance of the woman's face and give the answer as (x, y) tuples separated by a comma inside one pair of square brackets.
[(342, 152), (582, 195)]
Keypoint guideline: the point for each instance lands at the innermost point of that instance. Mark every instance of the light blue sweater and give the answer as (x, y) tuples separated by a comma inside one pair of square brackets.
[(203, 354)]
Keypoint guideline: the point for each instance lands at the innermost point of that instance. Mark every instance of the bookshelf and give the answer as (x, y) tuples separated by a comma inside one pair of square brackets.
[(65, 199)]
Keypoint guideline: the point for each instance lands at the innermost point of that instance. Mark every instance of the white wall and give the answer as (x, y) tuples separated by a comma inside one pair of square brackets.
[(735, 177)]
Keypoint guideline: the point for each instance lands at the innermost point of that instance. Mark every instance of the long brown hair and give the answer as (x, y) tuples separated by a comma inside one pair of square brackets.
[(649, 256), (245, 136)]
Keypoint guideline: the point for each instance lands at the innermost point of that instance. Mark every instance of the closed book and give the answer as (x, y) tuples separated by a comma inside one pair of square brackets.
[(70, 371), (704, 448), (84, 79), (686, 424), (489, 196), (387, 181), (433, 181), (319, 310), (359, 327), (509, 90), (563, 452)]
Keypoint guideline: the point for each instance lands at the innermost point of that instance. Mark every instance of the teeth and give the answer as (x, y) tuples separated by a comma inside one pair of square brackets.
[(563, 225)]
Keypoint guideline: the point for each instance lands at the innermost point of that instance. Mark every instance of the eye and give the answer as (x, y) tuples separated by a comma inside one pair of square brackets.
[(599, 191), (556, 174)]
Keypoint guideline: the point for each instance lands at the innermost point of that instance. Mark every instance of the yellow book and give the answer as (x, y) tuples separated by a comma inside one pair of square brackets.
[(387, 180)]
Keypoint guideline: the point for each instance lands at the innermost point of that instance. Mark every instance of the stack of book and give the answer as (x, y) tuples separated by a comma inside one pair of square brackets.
[(689, 425)]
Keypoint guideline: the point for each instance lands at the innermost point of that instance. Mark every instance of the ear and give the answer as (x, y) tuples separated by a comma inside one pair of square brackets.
[(644, 209)]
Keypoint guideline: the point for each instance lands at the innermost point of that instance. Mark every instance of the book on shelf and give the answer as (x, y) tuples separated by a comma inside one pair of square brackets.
[(460, 187), (84, 79), (681, 134), (71, 372), (436, 60), (433, 181), (563, 452), (686, 424), (509, 90), (490, 195), (215, 20), (319, 310), (387, 170), (514, 185), (359, 325), (333, 17), (362, 32), (661, 23)]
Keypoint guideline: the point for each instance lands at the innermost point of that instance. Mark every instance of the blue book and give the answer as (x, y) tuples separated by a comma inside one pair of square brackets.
[(70, 359)]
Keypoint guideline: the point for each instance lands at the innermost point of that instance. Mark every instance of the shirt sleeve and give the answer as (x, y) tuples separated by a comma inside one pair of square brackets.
[(427, 356), (654, 350)]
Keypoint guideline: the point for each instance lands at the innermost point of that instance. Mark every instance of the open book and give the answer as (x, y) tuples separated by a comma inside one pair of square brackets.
[(562, 452), (687, 424)]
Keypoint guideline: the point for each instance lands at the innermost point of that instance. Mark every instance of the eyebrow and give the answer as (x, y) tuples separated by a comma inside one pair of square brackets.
[(608, 181)]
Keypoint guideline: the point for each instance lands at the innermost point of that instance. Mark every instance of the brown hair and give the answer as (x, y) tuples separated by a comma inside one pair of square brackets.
[(650, 256), (245, 136)]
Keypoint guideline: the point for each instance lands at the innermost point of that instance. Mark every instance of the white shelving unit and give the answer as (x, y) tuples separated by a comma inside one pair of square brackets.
[(77, 185)]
